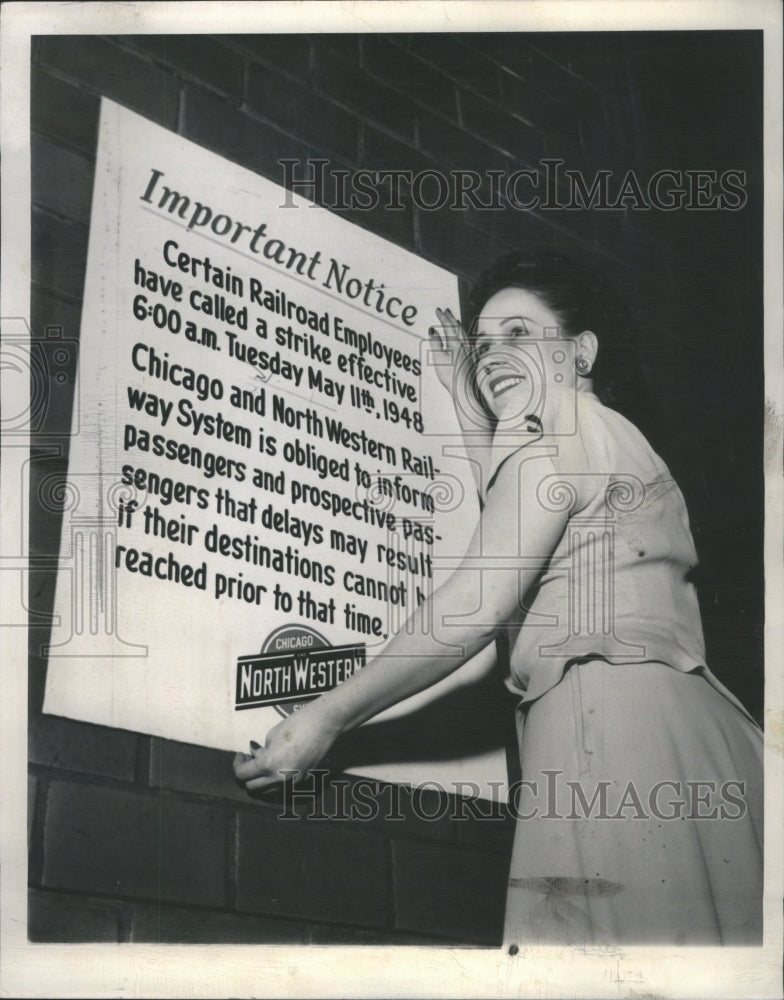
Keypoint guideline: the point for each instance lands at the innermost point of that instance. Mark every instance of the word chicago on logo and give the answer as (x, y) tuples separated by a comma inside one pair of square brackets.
[(295, 665)]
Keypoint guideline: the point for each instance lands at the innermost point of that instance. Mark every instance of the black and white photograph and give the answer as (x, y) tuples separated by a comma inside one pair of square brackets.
[(392, 501)]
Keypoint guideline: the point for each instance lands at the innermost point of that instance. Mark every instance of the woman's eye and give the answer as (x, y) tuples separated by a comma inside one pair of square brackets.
[(519, 330)]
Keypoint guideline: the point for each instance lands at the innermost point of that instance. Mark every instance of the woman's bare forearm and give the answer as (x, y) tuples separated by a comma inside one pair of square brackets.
[(415, 659), (477, 441)]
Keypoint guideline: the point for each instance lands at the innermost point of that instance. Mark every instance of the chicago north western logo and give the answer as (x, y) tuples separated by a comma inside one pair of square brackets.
[(295, 665)]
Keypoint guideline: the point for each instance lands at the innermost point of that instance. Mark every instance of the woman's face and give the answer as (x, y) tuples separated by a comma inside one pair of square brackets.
[(521, 354)]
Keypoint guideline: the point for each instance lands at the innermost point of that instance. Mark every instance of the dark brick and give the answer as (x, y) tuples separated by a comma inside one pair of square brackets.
[(522, 98), (53, 311), (113, 72), (61, 180), (568, 146), (55, 350), (455, 246), (592, 231), (453, 146), (55, 331), (515, 228), (396, 226), (36, 665), (510, 50), (492, 830), (461, 58), (503, 224), (513, 136), (405, 72), (35, 835), (552, 76), (47, 473), (59, 252), (297, 110), (203, 58), (383, 152), (366, 804), (32, 787), (450, 892), (55, 917), (79, 746), (289, 52), (354, 89), (123, 843), (288, 868), (217, 126), (344, 45), (429, 814), (63, 111), (191, 926), (201, 770), (587, 54)]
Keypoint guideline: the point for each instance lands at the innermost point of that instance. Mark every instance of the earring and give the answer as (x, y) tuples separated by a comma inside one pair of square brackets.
[(582, 365)]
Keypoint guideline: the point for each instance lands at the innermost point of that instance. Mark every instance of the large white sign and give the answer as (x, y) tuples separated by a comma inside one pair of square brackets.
[(264, 479)]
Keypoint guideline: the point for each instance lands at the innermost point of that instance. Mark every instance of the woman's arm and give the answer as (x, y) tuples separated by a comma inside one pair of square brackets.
[(505, 556)]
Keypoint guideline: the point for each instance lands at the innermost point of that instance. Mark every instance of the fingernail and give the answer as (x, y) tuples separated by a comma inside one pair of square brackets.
[(254, 745)]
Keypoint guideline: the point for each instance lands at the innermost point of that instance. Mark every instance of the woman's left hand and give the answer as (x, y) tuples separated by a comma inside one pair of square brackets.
[(291, 749)]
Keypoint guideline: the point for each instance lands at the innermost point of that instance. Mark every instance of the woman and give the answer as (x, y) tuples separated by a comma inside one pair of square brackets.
[(639, 816)]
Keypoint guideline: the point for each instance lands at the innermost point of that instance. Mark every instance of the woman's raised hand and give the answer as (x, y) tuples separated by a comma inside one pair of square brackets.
[(291, 749), (451, 350), (454, 363)]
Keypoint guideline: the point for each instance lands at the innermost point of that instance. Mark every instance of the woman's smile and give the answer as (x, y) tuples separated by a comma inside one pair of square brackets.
[(502, 384)]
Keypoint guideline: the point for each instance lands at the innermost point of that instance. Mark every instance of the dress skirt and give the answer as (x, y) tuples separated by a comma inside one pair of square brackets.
[(639, 814)]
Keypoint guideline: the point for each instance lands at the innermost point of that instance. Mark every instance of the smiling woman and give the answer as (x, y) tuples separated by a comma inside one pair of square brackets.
[(585, 559)]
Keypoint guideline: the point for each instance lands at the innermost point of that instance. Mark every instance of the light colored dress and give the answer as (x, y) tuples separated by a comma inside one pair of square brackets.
[(640, 812)]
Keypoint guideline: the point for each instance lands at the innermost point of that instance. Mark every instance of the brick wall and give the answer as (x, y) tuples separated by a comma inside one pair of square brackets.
[(136, 838)]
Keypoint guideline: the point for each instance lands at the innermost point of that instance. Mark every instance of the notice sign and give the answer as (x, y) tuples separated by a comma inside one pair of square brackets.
[(264, 478)]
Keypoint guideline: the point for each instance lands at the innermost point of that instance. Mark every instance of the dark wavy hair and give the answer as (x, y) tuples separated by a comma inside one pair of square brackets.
[(583, 299)]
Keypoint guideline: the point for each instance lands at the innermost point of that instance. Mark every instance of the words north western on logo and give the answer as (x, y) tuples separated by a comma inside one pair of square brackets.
[(295, 665)]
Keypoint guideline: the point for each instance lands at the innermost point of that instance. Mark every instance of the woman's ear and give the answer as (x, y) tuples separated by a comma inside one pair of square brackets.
[(588, 346)]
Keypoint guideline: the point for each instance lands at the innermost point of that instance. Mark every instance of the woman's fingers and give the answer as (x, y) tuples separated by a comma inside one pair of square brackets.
[(258, 770), (446, 320), (442, 332), (248, 766), (452, 327), (449, 318), (436, 338), (265, 782)]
